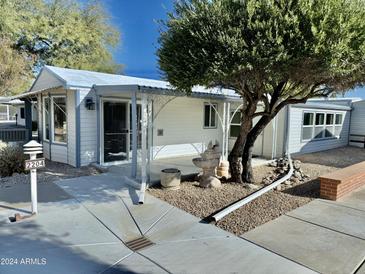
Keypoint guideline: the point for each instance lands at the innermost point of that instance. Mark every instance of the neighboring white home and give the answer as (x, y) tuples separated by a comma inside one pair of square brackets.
[(13, 111), (7, 111), (89, 117)]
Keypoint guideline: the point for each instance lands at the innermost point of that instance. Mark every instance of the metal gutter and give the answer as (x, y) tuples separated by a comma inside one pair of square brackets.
[(216, 217), (236, 205)]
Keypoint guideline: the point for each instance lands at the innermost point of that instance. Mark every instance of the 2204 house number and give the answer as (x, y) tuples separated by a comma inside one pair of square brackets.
[(34, 164)]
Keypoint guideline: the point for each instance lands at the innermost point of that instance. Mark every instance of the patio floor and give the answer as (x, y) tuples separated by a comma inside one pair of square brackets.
[(84, 224), (184, 164)]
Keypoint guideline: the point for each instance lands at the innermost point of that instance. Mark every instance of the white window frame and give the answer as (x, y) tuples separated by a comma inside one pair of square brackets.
[(44, 117), (234, 124), (324, 126), (215, 109), (52, 120)]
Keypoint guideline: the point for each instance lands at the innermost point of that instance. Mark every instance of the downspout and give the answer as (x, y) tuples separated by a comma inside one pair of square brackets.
[(236, 205), (274, 139)]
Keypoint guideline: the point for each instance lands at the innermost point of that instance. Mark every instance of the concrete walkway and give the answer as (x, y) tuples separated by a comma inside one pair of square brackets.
[(325, 236), (84, 226)]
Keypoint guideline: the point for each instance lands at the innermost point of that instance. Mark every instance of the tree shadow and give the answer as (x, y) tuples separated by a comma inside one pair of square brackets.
[(39, 252), (310, 189)]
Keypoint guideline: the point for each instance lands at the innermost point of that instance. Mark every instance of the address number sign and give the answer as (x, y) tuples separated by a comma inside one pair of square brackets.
[(35, 164)]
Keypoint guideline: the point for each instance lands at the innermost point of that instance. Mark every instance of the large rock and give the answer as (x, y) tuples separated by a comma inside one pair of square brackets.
[(297, 164), (210, 181)]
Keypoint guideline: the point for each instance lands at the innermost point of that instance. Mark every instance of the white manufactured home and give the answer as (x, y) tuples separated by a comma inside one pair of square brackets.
[(89, 117)]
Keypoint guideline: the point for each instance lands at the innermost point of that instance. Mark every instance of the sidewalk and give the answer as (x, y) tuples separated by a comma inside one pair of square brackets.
[(84, 226), (325, 236)]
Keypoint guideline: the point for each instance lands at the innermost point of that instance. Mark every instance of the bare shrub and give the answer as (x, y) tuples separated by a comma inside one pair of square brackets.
[(11, 160)]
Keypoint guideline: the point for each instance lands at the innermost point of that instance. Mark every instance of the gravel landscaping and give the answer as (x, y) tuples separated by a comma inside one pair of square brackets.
[(52, 172), (203, 202)]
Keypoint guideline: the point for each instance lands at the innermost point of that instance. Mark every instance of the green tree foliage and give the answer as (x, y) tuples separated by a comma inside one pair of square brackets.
[(61, 33), (278, 52), (14, 69)]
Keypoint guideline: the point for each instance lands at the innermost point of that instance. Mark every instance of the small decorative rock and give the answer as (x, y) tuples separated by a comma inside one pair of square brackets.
[(282, 167), (252, 186), (287, 182)]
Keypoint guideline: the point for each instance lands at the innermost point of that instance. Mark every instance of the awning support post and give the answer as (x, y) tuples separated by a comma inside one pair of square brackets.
[(134, 135), (228, 124), (143, 148)]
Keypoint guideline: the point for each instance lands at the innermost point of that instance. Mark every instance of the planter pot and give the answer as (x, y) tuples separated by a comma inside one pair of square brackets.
[(223, 169), (170, 178)]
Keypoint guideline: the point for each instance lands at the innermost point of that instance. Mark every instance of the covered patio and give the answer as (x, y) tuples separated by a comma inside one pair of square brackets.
[(163, 128), (184, 164)]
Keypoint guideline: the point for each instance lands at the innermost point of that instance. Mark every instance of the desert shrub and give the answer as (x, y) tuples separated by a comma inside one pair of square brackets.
[(11, 160)]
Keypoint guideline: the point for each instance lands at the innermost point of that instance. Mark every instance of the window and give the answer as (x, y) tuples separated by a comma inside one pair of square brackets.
[(308, 125), (55, 119), (59, 120), (46, 113), (235, 127), (4, 113), (7, 113), (22, 115), (210, 115), (321, 125), (338, 124), (12, 112), (308, 119), (338, 119)]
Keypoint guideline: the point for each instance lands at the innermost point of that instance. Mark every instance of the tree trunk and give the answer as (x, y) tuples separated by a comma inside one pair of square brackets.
[(235, 155), (247, 171)]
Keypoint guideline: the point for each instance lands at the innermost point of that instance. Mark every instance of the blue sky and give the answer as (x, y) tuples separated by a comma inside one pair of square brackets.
[(136, 21)]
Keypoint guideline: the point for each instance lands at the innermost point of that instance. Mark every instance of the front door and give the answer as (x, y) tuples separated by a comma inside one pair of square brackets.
[(116, 131)]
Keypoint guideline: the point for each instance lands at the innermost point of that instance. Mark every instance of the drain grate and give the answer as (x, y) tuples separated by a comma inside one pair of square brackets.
[(139, 243)]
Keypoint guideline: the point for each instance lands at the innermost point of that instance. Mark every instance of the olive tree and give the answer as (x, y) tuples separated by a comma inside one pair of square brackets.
[(272, 52), (65, 33)]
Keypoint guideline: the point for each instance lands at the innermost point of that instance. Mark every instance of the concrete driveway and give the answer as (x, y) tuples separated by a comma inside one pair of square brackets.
[(325, 236), (87, 224)]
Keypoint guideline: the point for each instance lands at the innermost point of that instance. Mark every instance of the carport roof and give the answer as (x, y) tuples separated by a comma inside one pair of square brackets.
[(73, 78)]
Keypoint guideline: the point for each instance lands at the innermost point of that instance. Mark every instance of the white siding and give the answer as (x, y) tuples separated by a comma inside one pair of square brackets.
[(297, 146), (182, 122), (71, 128), (59, 153), (358, 118), (88, 129), (263, 143), (46, 80), (357, 123), (280, 133)]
